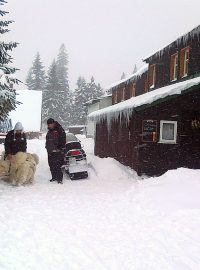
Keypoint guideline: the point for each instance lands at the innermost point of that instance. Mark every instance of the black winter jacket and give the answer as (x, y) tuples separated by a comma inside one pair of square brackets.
[(15, 143), (55, 139)]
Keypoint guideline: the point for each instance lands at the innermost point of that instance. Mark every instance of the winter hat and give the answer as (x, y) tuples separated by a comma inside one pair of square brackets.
[(50, 121), (18, 126)]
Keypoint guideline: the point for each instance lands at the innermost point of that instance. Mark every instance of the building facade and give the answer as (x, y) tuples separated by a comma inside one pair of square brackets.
[(154, 122)]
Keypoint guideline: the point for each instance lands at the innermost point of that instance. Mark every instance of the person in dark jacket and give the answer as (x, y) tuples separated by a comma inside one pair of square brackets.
[(15, 141), (55, 145)]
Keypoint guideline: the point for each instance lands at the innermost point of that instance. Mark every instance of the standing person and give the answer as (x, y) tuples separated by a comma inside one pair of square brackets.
[(15, 141), (55, 145)]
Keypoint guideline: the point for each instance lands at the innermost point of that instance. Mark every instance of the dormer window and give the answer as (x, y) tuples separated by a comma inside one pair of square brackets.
[(174, 67), (152, 76), (184, 64)]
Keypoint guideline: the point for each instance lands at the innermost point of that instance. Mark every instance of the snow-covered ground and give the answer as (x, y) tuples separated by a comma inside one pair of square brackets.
[(112, 221)]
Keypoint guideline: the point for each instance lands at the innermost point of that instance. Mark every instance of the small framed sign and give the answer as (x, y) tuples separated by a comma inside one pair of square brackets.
[(149, 130)]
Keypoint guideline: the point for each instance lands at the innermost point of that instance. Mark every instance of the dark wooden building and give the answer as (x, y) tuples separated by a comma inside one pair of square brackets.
[(154, 123)]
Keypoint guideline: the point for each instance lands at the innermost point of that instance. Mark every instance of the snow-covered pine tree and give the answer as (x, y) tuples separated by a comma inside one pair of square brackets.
[(135, 69), (7, 77), (62, 69), (94, 90), (29, 79), (36, 78), (63, 81), (123, 76), (81, 96), (52, 103)]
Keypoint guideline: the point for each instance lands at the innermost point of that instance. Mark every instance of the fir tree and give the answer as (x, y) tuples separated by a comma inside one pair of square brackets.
[(51, 103), (63, 81), (7, 78), (135, 69), (81, 96), (36, 76), (62, 69), (123, 76), (54, 102), (29, 78), (94, 90)]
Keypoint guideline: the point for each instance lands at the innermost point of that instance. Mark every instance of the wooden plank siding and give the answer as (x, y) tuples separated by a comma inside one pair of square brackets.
[(132, 88), (124, 142), (163, 63)]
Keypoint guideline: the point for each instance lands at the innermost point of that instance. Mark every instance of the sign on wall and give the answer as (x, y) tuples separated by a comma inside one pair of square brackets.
[(149, 130)]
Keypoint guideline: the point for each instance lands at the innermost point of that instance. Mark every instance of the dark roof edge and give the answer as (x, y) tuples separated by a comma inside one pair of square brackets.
[(183, 38)]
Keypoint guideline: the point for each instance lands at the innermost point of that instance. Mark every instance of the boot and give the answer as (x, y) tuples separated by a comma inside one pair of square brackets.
[(60, 181)]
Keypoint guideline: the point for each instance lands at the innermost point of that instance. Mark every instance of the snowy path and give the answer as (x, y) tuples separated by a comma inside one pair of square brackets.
[(112, 221)]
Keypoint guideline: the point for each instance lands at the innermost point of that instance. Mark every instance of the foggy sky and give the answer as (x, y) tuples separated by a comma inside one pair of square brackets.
[(104, 38)]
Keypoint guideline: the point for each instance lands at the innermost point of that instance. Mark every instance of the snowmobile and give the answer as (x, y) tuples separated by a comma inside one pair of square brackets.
[(75, 161)]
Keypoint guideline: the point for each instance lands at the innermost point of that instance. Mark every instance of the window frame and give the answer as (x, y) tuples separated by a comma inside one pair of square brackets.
[(123, 94), (184, 63), (161, 140), (115, 97), (174, 67), (152, 75), (133, 90)]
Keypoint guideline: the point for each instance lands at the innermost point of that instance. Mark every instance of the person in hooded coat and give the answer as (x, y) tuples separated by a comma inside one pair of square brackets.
[(15, 141), (55, 145)]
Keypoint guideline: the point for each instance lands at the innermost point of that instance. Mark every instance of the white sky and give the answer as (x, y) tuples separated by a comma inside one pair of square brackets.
[(103, 37)]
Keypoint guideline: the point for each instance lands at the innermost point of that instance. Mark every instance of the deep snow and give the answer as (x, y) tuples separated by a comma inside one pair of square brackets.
[(112, 221)]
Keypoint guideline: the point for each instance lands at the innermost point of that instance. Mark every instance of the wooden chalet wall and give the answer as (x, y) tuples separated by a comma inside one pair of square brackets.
[(163, 62), (125, 143), (140, 84), (194, 63)]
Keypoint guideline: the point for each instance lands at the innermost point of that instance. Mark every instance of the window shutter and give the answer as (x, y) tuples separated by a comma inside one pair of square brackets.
[(133, 90), (151, 71), (172, 68)]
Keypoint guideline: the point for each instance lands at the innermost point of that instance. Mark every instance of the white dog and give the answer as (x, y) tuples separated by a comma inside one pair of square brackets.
[(20, 169)]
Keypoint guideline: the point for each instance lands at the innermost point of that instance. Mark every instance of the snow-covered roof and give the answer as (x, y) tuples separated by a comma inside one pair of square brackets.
[(131, 77), (181, 39), (77, 126), (91, 101), (95, 100), (29, 111), (125, 108)]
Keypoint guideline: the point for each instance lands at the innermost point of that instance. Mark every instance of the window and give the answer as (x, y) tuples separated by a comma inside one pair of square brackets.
[(115, 97), (123, 93), (152, 76), (174, 67), (184, 63), (132, 90), (168, 131)]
